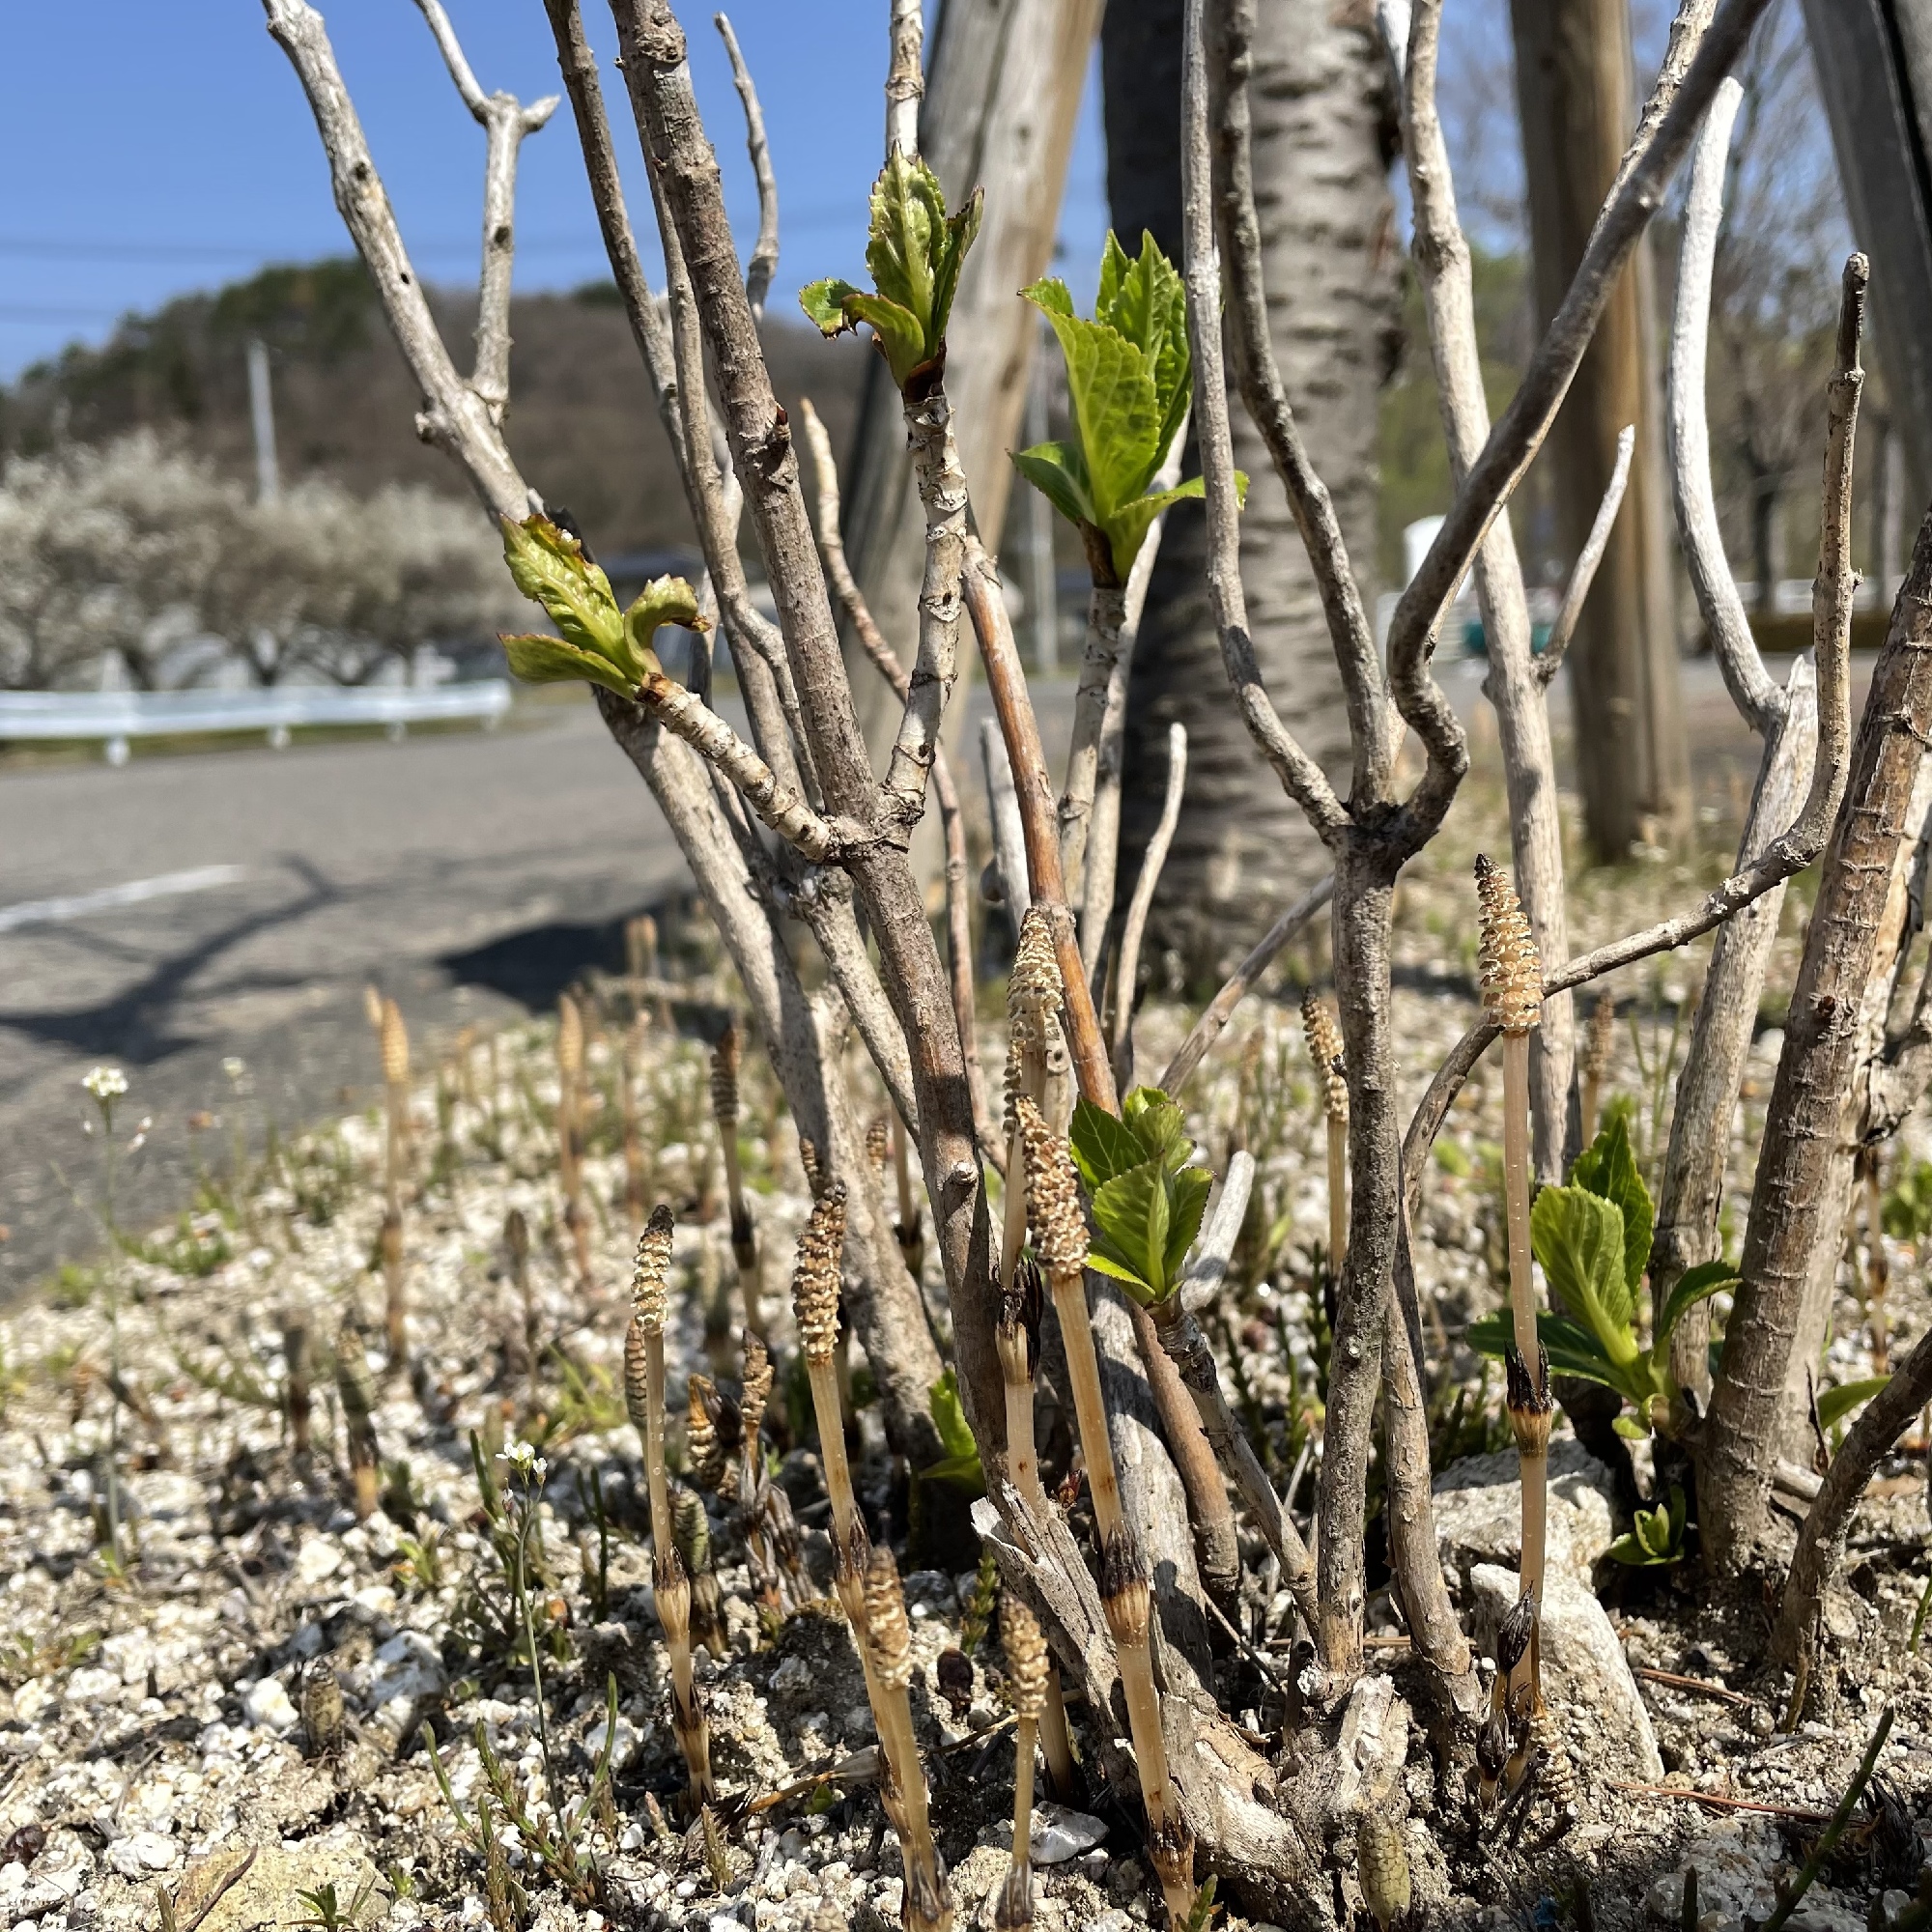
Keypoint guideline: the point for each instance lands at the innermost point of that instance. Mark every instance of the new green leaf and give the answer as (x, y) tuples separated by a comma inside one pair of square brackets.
[(1578, 1237), (1127, 378), (915, 250), (1103, 1144), (1609, 1169), (1695, 1285), (1836, 1404)]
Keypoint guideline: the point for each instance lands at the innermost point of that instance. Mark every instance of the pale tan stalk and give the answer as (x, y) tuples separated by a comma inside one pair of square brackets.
[(1512, 987), (633, 1146), (1026, 1674), (1056, 1740), (815, 1283), (927, 1899), (569, 1093), (358, 1400), (1018, 1339), (726, 1058), (1594, 1063), (911, 1228), (644, 1396), (1059, 1240), (394, 1038), (1325, 1050)]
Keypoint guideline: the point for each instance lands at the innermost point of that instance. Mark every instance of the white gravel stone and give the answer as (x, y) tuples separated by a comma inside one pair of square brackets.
[(266, 1704), (143, 1852), (1479, 1511)]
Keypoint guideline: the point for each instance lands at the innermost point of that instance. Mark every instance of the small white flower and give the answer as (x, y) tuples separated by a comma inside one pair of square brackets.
[(105, 1083), (523, 1458)]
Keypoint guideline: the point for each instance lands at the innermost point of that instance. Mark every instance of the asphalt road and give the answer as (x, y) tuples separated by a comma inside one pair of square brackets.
[(183, 910)]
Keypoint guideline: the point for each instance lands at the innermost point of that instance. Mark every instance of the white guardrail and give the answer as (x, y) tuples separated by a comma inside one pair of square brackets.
[(117, 716)]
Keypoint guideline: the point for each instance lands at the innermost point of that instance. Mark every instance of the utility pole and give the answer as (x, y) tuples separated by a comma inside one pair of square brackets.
[(262, 415), (1574, 94)]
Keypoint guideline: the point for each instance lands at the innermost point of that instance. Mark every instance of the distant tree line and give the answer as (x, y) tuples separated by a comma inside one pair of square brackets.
[(142, 557)]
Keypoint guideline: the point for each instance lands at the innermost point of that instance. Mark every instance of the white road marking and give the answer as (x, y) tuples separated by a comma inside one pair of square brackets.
[(77, 905)]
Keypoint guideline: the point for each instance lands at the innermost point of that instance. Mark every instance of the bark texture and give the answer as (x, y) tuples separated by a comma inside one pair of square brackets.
[(1322, 126), (1814, 1075)]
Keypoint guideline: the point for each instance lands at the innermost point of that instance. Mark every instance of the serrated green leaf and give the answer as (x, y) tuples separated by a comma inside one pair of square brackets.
[(1102, 1263), (1049, 296), (663, 600), (1127, 527), (962, 229), (547, 565), (1572, 1349), (541, 659), (908, 211), (1695, 1285), (824, 303), (1145, 300), (1609, 1169), (900, 337), (1158, 1125), (1130, 1212), (1116, 416), (1057, 471), (1836, 1404), (1103, 1145), (1578, 1237), (1187, 1201)]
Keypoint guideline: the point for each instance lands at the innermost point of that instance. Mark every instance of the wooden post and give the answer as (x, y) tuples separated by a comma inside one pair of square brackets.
[(1002, 92), (1574, 96)]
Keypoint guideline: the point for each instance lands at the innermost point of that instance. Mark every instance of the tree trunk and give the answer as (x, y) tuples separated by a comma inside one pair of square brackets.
[(1322, 137), (1002, 93), (1797, 1212), (1575, 96), (1874, 62)]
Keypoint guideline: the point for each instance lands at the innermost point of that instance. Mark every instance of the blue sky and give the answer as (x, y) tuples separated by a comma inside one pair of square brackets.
[(189, 158)]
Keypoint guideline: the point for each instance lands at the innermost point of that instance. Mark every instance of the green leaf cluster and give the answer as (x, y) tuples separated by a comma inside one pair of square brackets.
[(1128, 375), (915, 251), (601, 644), (1593, 1241), (1658, 1536), (1148, 1196), (961, 1462)]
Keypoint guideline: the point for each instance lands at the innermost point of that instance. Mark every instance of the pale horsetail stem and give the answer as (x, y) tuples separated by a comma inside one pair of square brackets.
[(394, 1037), (1593, 1064), (888, 1637), (644, 1397), (569, 1091), (1512, 988), (1026, 1674), (1017, 1341), (1325, 1050), (1060, 1241), (911, 1228), (726, 1058)]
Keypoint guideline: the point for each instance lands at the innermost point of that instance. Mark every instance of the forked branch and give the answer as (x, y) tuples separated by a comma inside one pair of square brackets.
[(764, 262)]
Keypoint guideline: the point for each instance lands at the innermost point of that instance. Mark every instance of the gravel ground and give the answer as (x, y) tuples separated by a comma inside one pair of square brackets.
[(234, 1714)]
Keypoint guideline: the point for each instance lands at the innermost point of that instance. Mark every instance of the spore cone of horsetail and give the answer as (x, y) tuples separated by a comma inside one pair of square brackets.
[(1512, 987), (1325, 1050), (1034, 993), (357, 1398), (928, 1902), (814, 1300), (644, 1397), (1059, 1240)]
